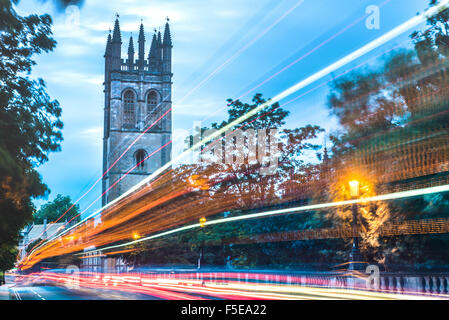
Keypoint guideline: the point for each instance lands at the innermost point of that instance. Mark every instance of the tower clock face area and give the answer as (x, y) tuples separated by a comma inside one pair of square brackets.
[(137, 109)]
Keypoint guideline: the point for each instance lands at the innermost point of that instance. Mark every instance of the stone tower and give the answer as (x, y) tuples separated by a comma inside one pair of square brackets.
[(137, 105)]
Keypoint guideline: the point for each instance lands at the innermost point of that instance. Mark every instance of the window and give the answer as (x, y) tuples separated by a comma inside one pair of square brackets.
[(140, 159), (154, 110), (129, 110)]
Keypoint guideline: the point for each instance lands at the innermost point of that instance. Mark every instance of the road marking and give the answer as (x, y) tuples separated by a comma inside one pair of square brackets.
[(16, 294), (38, 294)]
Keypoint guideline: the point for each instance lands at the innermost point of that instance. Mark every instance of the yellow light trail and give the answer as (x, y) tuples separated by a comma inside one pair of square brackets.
[(390, 196)]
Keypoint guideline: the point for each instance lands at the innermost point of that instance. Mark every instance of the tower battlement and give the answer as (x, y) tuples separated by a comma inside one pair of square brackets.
[(157, 62)]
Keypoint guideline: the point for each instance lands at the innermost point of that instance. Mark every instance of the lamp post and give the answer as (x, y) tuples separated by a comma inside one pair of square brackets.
[(199, 184), (355, 256), (202, 223), (136, 236)]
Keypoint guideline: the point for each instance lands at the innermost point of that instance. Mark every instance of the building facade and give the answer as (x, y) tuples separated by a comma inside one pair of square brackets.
[(137, 110), (34, 232)]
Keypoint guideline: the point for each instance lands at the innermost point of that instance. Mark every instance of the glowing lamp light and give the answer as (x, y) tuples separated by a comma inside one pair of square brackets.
[(202, 222), (197, 182), (136, 236), (354, 188), (70, 238)]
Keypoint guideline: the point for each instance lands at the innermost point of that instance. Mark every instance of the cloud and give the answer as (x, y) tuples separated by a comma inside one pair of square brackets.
[(178, 137), (93, 132), (72, 78), (64, 4), (73, 50), (92, 136), (98, 25), (228, 13), (201, 107), (155, 15)]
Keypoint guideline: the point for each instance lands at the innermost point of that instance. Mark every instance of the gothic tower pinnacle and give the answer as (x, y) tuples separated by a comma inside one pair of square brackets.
[(141, 61), (116, 46), (166, 50), (131, 52)]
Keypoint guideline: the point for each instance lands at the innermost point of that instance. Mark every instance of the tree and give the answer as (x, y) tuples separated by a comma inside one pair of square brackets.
[(56, 208), (30, 125), (32, 245), (245, 179), (394, 119)]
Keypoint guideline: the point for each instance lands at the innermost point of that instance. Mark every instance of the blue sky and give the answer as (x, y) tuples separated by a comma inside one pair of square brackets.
[(242, 42)]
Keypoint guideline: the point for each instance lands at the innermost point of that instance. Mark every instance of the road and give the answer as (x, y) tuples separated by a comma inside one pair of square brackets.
[(186, 291), (12, 291)]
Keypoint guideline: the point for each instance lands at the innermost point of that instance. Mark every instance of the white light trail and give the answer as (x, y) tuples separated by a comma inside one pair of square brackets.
[(389, 196)]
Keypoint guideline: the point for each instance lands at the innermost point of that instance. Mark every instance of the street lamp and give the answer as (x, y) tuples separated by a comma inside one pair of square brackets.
[(202, 224), (355, 256), (136, 236), (354, 188)]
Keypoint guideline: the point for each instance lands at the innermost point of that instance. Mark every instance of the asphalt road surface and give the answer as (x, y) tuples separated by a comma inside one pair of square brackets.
[(180, 291), (12, 291)]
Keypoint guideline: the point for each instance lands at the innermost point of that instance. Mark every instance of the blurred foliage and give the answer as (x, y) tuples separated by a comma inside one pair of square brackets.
[(399, 103), (30, 124), (32, 245)]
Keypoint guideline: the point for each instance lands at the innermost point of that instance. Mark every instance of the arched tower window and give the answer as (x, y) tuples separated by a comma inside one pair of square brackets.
[(129, 109), (154, 109), (140, 156)]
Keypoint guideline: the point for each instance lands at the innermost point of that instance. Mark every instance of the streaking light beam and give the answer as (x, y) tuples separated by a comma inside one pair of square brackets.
[(389, 196)]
